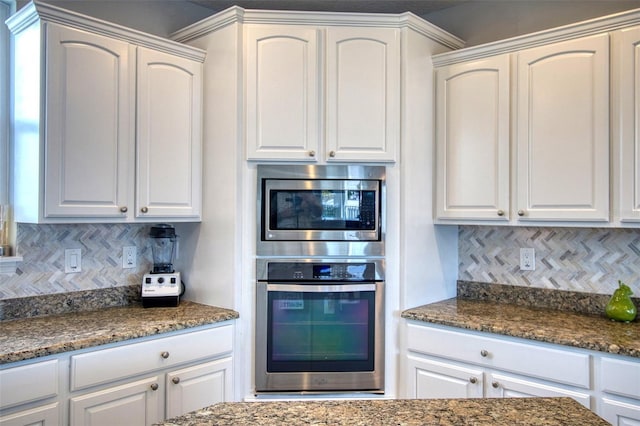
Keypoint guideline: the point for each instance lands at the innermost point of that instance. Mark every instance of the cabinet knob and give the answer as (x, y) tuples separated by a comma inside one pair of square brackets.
[(144, 210), (123, 209), (332, 154), (312, 153), (500, 212), (484, 353), (473, 380), (496, 385), (165, 354), (154, 386), (520, 212), (176, 380)]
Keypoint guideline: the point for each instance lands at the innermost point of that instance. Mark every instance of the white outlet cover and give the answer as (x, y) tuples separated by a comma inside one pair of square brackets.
[(129, 257), (527, 259), (72, 261)]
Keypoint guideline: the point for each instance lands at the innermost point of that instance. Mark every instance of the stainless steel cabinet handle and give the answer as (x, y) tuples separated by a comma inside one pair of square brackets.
[(473, 380), (165, 354), (496, 385), (176, 380), (520, 212), (484, 353), (332, 154), (500, 212), (123, 209), (154, 386), (312, 153), (144, 210)]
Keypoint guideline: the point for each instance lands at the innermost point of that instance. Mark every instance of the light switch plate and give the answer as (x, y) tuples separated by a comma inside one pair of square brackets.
[(72, 261)]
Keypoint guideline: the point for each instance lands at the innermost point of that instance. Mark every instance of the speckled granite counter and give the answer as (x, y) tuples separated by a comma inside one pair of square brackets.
[(28, 338), (508, 411), (586, 331)]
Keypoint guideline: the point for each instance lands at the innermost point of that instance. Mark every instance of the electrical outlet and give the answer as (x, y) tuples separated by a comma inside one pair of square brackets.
[(72, 261), (129, 256), (527, 259)]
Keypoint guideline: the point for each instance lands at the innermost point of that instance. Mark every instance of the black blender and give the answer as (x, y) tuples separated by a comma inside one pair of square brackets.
[(162, 286)]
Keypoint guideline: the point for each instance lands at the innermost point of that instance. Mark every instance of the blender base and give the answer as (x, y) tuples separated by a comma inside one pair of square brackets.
[(160, 302)]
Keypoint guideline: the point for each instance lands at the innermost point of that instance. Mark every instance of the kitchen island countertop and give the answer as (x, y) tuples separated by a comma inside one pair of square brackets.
[(458, 412), (28, 338), (585, 331)]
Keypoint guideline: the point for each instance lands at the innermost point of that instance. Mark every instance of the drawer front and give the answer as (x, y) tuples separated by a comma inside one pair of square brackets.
[(28, 383), (620, 377), (107, 365), (557, 365)]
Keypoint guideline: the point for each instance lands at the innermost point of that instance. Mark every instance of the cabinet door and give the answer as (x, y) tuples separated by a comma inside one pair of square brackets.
[(563, 131), (46, 415), (434, 379), (472, 140), (199, 386), (169, 136), (620, 413), (134, 404), (505, 386), (88, 137), (628, 108), (363, 94), (282, 92)]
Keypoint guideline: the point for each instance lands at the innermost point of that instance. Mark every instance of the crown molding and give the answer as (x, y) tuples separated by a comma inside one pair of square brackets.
[(580, 29), (37, 11), (236, 14)]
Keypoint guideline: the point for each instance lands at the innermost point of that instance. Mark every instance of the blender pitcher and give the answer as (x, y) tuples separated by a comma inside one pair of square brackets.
[(163, 248)]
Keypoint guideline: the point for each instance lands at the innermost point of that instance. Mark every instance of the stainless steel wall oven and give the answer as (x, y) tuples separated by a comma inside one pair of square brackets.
[(319, 325)]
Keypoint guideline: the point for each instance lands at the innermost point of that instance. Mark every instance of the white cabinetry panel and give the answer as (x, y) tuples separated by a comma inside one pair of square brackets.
[(436, 379), (46, 415), (472, 140), (563, 131), (282, 92)]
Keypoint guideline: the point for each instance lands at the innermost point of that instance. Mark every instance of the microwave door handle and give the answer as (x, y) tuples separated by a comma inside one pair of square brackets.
[(313, 288)]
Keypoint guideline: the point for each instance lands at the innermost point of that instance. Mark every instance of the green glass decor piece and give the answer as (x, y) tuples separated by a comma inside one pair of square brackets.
[(620, 306)]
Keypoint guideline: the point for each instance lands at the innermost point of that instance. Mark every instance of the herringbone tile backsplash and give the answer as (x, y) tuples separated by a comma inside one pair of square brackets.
[(577, 259), (42, 248)]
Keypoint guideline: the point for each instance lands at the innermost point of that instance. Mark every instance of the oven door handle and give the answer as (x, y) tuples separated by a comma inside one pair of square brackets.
[(313, 288)]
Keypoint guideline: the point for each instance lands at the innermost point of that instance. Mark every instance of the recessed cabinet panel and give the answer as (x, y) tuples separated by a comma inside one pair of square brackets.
[(363, 93), (282, 92), (473, 140), (88, 108), (563, 131), (169, 151), (629, 137)]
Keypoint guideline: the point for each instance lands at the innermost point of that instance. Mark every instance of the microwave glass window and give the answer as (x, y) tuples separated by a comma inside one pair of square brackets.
[(322, 210)]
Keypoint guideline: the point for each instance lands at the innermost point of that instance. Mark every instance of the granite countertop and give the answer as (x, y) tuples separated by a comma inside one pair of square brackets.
[(27, 338), (586, 331), (454, 412)]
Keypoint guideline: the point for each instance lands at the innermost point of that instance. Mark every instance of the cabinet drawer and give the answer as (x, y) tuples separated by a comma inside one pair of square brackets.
[(28, 383), (112, 364), (620, 377), (557, 365)]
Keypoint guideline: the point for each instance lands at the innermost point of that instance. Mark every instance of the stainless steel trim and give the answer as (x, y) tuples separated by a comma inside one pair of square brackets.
[(262, 264), (312, 288)]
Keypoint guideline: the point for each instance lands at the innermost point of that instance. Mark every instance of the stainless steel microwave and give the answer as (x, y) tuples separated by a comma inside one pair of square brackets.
[(333, 210)]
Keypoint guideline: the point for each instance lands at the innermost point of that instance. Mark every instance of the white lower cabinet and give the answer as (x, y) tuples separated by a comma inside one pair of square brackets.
[(135, 383), (445, 362)]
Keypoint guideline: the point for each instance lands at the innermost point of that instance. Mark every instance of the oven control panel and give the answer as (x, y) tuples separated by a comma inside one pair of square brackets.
[(312, 271)]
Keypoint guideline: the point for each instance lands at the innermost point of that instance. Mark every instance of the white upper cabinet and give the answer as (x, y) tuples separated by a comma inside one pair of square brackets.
[(472, 140), (89, 123), (282, 92), (563, 131), (310, 103), (106, 130), (169, 126), (626, 128), (363, 94)]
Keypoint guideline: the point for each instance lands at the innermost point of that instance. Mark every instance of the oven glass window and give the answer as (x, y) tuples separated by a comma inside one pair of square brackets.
[(322, 210), (320, 331)]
